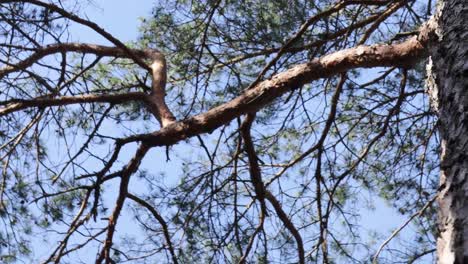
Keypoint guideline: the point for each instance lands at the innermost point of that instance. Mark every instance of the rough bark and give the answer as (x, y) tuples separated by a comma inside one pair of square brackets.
[(449, 83)]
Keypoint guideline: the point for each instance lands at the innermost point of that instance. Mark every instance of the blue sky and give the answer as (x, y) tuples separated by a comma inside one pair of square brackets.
[(121, 18)]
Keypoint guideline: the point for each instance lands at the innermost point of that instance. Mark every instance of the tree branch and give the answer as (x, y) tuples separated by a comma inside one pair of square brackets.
[(404, 54), (161, 221), (99, 50), (89, 24), (19, 104), (131, 167), (288, 224), (156, 100)]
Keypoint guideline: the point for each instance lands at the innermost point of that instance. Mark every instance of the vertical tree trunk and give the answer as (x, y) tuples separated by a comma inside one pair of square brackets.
[(450, 91)]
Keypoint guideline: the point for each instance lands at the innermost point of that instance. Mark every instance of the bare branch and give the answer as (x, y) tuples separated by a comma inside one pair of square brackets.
[(161, 221), (156, 100), (89, 24), (396, 231), (98, 50), (19, 104), (131, 167), (288, 224)]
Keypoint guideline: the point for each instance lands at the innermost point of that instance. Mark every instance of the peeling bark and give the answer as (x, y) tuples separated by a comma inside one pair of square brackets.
[(449, 79)]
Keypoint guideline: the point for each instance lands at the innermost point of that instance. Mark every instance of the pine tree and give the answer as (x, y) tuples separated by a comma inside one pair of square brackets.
[(234, 132)]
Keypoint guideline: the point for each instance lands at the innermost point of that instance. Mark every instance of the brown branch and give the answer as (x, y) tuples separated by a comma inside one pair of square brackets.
[(255, 177), (89, 24), (161, 221), (85, 145), (380, 19), (158, 64), (75, 224), (262, 193), (308, 46), (254, 169), (318, 170), (156, 100), (288, 224), (20, 104), (386, 124), (98, 50), (252, 239), (100, 178), (131, 167), (304, 27), (403, 54)]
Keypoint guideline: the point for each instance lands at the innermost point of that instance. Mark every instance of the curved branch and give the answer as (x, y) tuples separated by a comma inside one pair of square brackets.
[(89, 24), (403, 54), (305, 26), (156, 100), (161, 221), (98, 50), (288, 224), (254, 169)]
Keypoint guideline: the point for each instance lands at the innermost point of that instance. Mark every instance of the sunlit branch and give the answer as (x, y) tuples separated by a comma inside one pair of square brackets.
[(305, 26), (403, 54)]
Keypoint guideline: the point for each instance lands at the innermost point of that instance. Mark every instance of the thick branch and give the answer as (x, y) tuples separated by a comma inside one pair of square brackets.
[(403, 54), (156, 100), (306, 25), (254, 169)]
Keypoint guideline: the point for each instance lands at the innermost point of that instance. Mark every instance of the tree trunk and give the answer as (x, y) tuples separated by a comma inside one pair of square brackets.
[(449, 77)]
